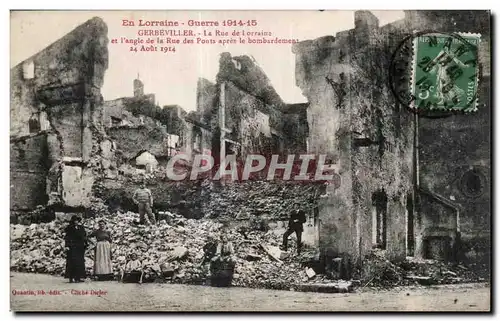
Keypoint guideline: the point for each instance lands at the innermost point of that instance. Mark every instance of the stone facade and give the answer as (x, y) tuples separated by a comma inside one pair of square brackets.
[(29, 168), (56, 106), (354, 117)]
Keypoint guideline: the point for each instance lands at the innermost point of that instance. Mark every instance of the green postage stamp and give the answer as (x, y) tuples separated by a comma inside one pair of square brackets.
[(445, 72)]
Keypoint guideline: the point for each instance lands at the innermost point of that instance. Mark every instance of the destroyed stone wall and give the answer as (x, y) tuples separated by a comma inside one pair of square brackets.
[(67, 121), (252, 110), (295, 128), (186, 198), (250, 126), (175, 119), (351, 105), (77, 186), (130, 141), (354, 118), (207, 139), (28, 192), (28, 170), (115, 113), (198, 140), (77, 58), (244, 73), (314, 62), (386, 164), (29, 153), (206, 99), (62, 83)]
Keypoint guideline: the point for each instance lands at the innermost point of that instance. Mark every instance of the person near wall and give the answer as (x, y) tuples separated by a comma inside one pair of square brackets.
[(144, 200), (133, 271), (75, 240), (103, 269), (295, 225)]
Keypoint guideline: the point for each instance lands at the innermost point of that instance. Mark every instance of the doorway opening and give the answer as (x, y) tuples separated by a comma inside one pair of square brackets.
[(410, 234), (379, 201)]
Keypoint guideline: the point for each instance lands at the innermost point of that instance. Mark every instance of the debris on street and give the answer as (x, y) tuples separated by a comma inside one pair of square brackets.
[(378, 271), (172, 250)]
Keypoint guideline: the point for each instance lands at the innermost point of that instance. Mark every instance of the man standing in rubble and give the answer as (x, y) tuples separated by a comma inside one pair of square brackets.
[(295, 225), (144, 200)]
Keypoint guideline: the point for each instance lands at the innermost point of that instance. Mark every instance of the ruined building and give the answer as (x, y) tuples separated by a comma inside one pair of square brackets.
[(55, 129), (245, 114), (350, 118), (408, 187), (240, 114), (70, 148), (130, 125)]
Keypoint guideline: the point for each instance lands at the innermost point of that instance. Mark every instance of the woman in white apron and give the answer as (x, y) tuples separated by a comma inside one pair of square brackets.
[(103, 269)]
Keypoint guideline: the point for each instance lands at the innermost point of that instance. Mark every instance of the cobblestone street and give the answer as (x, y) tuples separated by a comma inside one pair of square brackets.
[(173, 297)]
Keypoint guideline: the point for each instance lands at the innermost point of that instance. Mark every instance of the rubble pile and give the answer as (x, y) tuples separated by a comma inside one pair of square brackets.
[(98, 207), (212, 199), (261, 198), (175, 244), (377, 270), (185, 197), (438, 272), (39, 214)]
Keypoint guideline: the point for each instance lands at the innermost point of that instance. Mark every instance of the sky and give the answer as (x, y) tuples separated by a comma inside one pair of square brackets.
[(172, 77)]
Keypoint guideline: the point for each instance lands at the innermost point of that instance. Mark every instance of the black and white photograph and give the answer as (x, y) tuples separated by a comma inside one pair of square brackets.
[(250, 161)]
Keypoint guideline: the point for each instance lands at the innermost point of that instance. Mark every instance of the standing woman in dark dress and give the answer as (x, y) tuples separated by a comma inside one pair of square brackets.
[(103, 269), (75, 243)]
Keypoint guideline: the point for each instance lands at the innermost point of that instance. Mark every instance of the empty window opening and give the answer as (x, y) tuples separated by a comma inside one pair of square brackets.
[(472, 183), (196, 140), (28, 70)]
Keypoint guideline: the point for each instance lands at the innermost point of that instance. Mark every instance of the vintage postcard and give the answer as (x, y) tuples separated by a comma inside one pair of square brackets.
[(250, 161)]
